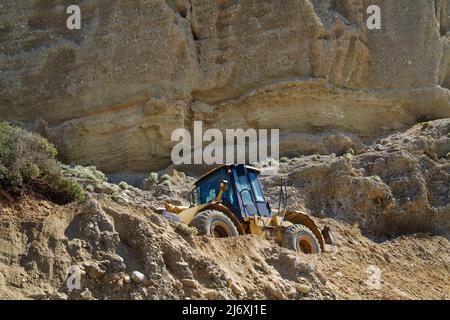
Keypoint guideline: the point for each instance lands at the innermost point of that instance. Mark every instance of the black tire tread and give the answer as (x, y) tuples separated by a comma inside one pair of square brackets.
[(203, 221), (291, 233)]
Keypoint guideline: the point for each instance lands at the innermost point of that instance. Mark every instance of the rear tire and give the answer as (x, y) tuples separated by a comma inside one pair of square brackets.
[(299, 238), (215, 224)]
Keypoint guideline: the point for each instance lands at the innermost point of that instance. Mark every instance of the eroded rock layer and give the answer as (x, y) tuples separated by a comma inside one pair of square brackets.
[(111, 93)]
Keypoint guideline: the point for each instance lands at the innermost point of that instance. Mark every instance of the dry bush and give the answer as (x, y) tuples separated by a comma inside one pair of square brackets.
[(29, 160)]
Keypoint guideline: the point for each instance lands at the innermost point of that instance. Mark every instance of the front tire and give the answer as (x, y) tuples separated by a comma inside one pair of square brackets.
[(299, 238), (215, 224)]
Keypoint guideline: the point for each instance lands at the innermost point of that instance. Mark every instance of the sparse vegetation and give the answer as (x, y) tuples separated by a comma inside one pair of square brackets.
[(350, 151), (153, 176), (165, 177), (166, 183), (28, 160), (85, 173), (115, 191), (120, 200), (6, 27), (151, 180), (166, 180), (376, 178), (348, 156), (123, 185), (184, 229), (72, 189)]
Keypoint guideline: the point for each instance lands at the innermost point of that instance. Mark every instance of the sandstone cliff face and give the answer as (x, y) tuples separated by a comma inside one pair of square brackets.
[(111, 93)]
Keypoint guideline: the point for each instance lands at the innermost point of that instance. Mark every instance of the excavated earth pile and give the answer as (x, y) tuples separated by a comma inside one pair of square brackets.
[(387, 204), (137, 70), (398, 185)]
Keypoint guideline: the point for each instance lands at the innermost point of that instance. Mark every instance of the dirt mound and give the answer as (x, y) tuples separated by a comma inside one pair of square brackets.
[(110, 242), (401, 184), (124, 250)]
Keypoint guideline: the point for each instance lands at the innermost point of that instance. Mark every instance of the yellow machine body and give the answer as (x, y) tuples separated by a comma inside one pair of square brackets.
[(268, 228)]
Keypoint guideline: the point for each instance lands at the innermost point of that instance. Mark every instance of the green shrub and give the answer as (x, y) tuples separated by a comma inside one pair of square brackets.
[(29, 160), (120, 200), (15, 180), (165, 177), (376, 178), (6, 27), (72, 189), (3, 172), (350, 151), (31, 172), (348, 156), (20, 148), (166, 183), (153, 176), (86, 173), (116, 190), (184, 229), (151, 180), (123, 185)]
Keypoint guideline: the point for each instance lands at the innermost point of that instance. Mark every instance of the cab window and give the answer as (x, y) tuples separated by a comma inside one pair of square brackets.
[(209, 188), (244, 189), (257, 190)]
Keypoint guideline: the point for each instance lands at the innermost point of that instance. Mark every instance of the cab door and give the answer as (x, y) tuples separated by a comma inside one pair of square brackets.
[(260, 201), (244, 192)]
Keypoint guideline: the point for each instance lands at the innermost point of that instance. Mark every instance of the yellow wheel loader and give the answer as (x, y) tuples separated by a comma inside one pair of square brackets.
[(229, 201)]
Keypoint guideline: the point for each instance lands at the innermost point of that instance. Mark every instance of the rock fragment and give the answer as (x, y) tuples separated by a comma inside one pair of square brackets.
[(86, 294), (138, 277), (303, 288), (237, 290), (189, 283), (94, 271)]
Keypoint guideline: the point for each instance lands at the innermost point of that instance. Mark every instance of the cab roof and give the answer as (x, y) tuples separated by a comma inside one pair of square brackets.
[(226, 166)]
